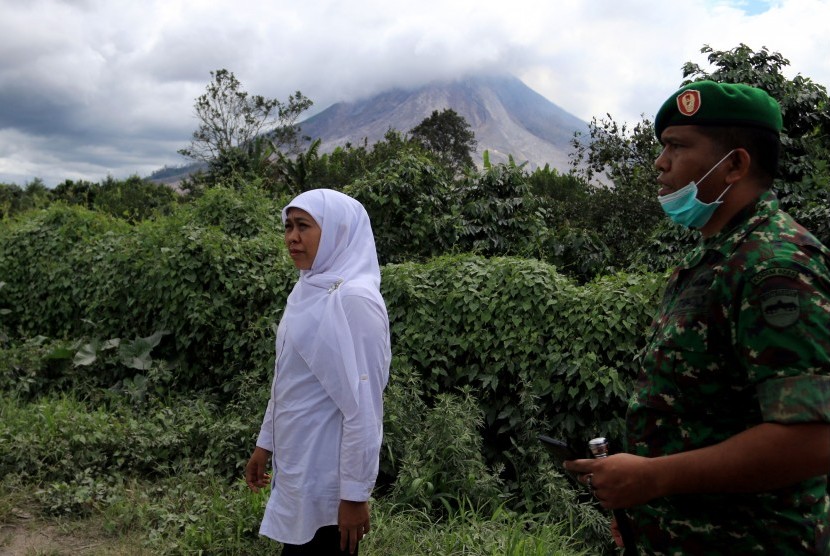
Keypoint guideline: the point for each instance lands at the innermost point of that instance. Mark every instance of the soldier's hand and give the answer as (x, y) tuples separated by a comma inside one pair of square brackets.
[(618, 481)]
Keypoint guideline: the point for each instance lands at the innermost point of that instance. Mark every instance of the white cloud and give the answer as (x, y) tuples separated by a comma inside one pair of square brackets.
[(107, 87)]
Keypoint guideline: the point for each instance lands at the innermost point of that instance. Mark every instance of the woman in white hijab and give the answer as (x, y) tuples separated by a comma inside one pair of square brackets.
[(324, 421)]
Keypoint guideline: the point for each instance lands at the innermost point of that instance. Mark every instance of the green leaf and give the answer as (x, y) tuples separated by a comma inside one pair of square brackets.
[(85, 356)]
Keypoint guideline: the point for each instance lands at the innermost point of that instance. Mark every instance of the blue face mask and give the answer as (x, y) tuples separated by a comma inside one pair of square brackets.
[(683, 206)]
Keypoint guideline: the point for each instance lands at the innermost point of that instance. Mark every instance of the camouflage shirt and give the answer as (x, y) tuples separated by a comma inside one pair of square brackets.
[(742, 337)]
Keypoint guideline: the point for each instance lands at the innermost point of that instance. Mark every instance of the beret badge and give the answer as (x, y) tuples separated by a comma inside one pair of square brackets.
[(688, 102)]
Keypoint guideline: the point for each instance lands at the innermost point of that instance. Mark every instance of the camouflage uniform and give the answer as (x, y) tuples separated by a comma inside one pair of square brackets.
[(742, 337)]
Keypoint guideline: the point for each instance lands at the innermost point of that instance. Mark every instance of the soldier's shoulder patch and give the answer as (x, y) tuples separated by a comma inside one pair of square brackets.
[(780, 308), (773, 273)]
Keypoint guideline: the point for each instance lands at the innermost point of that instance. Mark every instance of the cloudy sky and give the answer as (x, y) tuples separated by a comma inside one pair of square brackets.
[(90, 88)]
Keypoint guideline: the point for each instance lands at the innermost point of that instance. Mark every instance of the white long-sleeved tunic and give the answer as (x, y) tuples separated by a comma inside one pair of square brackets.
[(318, 456)]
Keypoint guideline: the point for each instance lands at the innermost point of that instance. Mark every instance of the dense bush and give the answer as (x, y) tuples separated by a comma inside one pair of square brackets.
[(85, 456), (436, 451), (56, 438), (151, 311), (409, 201), (499, 216), (211, 280), (542, 353)]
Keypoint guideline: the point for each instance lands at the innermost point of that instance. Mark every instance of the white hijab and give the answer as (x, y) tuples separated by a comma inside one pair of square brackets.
[(346, 263)]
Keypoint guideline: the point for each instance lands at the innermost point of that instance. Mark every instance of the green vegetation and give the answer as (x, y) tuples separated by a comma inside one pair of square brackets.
[(232, 120), (449, 137), (137, 325)]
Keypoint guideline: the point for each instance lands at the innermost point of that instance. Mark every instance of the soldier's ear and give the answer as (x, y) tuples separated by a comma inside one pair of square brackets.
[(739, 165)]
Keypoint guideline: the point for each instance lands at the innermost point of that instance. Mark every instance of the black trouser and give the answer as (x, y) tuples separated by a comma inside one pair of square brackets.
[(326, 541)]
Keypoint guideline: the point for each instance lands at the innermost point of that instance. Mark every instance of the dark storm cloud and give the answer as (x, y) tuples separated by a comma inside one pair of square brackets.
[(102, 87), (22, 108)]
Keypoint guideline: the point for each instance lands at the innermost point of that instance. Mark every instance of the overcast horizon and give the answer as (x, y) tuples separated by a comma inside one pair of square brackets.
[(90, 88)]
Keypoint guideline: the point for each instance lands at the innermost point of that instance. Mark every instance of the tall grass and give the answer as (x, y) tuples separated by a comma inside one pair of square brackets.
[(167, 477), (469, 531), (196, 513)]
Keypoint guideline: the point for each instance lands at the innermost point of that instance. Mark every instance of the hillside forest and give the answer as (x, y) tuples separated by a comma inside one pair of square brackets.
[(137, 322)]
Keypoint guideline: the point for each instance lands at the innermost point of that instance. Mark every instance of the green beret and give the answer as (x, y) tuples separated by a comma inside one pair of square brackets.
[(719, 104)]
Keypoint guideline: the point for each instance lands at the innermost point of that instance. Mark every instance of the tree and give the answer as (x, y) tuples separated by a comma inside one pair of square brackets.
[(134, 199), (499, 215), (10, 197), (624, 209), (349, 163), (409, 201), (566, 190), (235, 168), (449, 137), (231, 119), (342, 166), (803, 184), (804, 106), (294, 175), (79, 192), (622, 204), (36, 195)]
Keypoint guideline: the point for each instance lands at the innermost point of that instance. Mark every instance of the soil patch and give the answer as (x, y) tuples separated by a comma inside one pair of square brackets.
[(34, 537), (26, 540)]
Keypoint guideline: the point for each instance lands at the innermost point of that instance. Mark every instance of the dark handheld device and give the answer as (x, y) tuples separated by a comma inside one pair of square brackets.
[(560, 451)]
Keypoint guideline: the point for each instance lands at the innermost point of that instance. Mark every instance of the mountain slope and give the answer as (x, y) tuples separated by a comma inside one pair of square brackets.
[(506, 116)]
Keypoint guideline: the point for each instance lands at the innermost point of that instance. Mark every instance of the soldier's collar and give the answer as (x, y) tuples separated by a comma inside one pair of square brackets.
[(734, 232)]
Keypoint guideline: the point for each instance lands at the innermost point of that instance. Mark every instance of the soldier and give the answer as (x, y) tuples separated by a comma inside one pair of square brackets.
[(728, 441)]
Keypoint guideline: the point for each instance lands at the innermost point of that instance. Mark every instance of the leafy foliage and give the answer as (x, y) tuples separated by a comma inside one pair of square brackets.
[(442, 459), (294, 175), (498, 215), (240, 135), (540, 352), (230, 118), (133, 199), (622, 205), (564, 195), (397, 529), (342, 166), (57, 439), (804, 107), (241, 214), (406, 199), (803, 184), (449, 137), (15, 199), (576, 252), (70, 275), (81, 192), (234, 168)]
